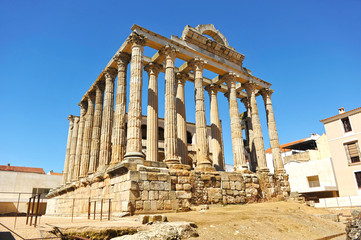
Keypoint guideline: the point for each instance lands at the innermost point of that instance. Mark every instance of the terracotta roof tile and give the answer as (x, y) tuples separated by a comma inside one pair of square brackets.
[(21, 169), (55, 173), (284, 148)]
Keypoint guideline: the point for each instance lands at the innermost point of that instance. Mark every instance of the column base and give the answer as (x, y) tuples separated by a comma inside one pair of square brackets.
[(205, 167), (280, 171), (172, 161), (241, 168), (263, 170), (134, 155)]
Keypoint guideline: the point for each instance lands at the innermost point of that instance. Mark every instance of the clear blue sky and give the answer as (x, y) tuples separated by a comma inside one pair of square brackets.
[(52, 51)]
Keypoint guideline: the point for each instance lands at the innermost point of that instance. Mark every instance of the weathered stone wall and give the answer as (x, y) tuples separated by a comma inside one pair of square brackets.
[(147, 187)]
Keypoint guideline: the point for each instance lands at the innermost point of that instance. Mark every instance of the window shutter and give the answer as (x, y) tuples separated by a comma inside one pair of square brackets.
[(347, 153), (352, 148)]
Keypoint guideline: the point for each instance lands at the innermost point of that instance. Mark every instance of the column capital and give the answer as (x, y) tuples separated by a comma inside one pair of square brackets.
[(122, 58), (266, 92), (110, 74), (181, 78), (212, 88), (71, 119), (229, 79), (100, 86), (168, 51), (250, 87), (153, 68), (136, 39), (198, 64), (90, 96), (83, 107), (246, 102)]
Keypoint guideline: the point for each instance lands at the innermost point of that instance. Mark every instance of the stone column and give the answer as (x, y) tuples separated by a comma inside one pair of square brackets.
[(134, 131), (95, 143), (107, 118), (181, 119), (118, 134), (85, 156), (68, 145), (170, 116), (239, 158), (216, 132), (256, 125), (202, 151), (249, 130), (152, 111), (74, 138), (79, 143), (272, 131)]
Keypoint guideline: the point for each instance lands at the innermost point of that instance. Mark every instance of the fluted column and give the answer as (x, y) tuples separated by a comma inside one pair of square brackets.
[(170, 116), (249, 131), (85, 156), (256, 125), (181, 119), (216, 132), (152, 111), (79, 143), (202, 151), (74, 138), (239, 158), (107, 118), (68, 145), (95, 143), (118, 134), (272, 131), (134, 131)]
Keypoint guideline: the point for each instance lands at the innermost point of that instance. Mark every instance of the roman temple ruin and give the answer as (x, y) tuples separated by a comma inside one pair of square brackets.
[(147, 164)]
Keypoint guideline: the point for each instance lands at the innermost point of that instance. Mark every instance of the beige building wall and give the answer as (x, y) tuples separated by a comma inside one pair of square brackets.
[(12, 183), (337, 138)]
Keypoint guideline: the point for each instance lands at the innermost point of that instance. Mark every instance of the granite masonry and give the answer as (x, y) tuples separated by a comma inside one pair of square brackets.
[(116, 164)]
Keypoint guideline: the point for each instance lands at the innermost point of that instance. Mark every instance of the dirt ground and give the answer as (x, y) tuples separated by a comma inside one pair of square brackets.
[(272, 220)]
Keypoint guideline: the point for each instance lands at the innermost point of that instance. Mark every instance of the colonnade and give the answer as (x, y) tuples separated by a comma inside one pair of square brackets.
[(98, 138)]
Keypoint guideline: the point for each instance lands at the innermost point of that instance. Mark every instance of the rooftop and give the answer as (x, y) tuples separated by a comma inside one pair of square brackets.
[(341, 115), (21, 169)]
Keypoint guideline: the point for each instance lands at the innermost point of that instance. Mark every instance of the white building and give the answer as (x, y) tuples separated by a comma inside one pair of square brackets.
[(309, 165)]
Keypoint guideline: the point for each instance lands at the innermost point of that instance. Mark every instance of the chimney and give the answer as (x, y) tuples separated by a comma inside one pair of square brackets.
[(341, 110), (8, 164)]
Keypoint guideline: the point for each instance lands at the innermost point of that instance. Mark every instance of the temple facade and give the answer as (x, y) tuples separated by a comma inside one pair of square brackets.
[(107, 156)]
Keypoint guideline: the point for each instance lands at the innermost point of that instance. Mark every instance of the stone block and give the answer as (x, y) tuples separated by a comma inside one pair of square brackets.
[(179, 187), (205, 177), (156, 185), (224, 177), (163, 177), (163, 195), (145, 195), (183, 180), (143, 176), (187, 187), (146, 185), (153, 205), (146, 205), (139, 205), (229, 192), (160, 205), (152, 176), (226, 185), (238, 185), (167, 205), (167, 186), (174, 179), (172, 195), (153, 195), (232, 185), (183, 195), (133, 175), (125, 206)]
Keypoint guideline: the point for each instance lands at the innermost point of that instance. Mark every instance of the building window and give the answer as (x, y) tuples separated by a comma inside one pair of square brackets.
[(346, 124), (313, 181), (358, 179), (352, 152)]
